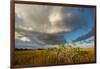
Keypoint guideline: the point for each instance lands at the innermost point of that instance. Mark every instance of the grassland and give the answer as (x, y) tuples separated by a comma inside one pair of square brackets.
[(61, 55)]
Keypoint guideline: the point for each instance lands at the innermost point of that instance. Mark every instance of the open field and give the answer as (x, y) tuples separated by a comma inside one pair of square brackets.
[(54, 56)]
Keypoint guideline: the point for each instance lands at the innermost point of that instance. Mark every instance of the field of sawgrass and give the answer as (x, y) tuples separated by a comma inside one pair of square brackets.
[(61, 55)]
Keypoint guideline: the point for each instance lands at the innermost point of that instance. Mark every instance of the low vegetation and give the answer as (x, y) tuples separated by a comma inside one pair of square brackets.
[(50, 56)]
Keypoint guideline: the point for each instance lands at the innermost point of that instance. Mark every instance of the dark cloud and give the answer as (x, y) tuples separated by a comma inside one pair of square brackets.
[(38, 26), (41, 38), (48, 19)]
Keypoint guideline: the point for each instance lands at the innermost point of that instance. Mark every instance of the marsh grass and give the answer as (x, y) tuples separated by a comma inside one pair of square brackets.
[(61, 55)]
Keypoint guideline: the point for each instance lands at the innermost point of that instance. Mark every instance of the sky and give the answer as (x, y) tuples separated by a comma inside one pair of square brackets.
[(42, 26)]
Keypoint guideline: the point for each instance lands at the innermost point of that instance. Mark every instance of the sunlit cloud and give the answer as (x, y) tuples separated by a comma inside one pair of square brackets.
[(48, 25), (42, 19), (21, 36), (56, 19), (25, 28), (25, 39)]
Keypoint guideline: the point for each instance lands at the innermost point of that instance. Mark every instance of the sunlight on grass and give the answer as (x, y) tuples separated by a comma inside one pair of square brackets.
[(61, 55)]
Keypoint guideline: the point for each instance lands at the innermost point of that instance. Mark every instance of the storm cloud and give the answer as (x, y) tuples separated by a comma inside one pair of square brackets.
[(42, 25), (47, 19)]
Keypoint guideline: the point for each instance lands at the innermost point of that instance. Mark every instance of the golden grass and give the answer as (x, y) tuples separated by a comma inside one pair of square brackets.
[(55, 56)]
